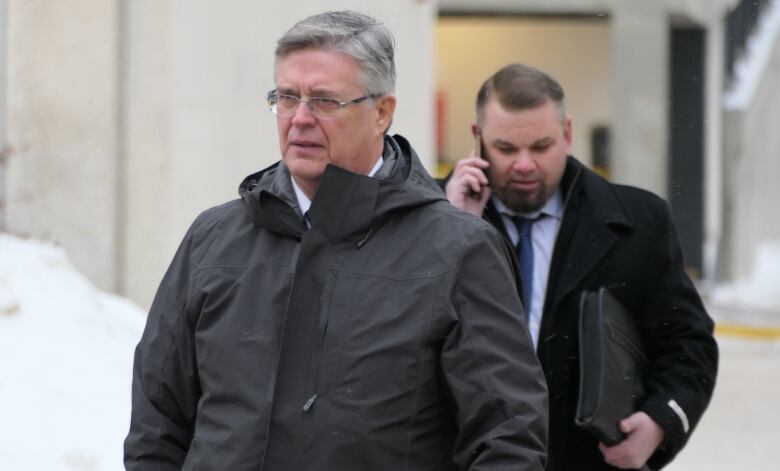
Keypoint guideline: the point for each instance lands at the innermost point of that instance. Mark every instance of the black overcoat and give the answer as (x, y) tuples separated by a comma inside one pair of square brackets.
[(623, 238)]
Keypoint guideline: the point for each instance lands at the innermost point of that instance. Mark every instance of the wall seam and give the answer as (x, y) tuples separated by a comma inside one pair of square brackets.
[(121, 167)]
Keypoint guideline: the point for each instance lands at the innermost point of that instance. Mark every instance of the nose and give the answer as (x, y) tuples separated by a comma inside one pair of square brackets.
[(524, 162), (303, 115)]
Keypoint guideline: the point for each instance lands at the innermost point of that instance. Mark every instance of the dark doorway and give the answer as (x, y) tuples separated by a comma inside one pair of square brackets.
[(686, 140)]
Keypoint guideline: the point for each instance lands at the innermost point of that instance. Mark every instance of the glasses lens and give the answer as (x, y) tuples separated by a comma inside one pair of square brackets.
[(326, 107), (271, 100), (286, 104)]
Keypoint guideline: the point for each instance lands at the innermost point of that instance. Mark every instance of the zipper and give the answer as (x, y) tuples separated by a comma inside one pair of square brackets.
[(271, 391), (365, 238), (309, 403)]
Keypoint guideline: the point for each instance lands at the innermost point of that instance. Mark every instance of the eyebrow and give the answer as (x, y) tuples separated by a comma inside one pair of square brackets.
[(547, 140), (501, 142), (317, 93), (544, 141)]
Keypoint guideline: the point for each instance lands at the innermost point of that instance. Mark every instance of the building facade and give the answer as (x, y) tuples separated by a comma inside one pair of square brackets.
[(121, 121)]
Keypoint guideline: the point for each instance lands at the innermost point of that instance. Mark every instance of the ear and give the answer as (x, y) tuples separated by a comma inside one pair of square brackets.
[(567, 134), (474, 129), (385, 107)]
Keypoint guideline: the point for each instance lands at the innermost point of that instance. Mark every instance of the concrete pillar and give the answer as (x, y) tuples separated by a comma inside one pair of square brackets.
[(640, 35), (733, 142), (713, 157), (61, 171), (146, 128)]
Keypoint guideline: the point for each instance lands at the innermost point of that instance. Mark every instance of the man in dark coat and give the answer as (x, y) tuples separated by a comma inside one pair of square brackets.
[(582, 233), (341, 315)]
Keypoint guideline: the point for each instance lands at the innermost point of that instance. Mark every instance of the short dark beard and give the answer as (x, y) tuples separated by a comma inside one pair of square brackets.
[(521, 202)]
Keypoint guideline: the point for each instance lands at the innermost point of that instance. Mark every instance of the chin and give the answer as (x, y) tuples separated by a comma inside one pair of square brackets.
[(524, 202), (305, 168)]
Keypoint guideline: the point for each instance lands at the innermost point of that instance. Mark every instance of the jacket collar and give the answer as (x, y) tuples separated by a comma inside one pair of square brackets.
[(583, 186), (346, 204)]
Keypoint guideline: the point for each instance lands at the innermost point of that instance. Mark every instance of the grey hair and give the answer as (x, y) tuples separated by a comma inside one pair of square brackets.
[(360, 36)]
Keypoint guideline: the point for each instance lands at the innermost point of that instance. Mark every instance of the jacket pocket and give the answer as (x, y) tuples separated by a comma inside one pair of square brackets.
[(376, 339)]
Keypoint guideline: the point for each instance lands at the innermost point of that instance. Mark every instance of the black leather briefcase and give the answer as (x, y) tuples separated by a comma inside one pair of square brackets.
[(612, 366)]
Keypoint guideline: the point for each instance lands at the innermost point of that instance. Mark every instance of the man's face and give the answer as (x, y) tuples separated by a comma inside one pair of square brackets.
[(351, 140), (527, 152)]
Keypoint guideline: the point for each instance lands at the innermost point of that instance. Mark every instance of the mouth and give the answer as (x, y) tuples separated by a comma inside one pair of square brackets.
[(524, 184), (304, 144)]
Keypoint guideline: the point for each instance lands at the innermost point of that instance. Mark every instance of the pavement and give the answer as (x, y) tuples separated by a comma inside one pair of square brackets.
[(741, 429)]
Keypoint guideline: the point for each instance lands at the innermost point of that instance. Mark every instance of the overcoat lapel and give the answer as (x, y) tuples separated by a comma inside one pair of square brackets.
[(592, 219), (581, 244)]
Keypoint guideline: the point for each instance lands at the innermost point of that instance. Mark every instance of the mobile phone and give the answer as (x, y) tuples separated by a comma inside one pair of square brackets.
[(479, 152)]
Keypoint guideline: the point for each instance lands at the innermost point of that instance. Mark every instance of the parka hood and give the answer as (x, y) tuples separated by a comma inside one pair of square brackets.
[(346, 204)]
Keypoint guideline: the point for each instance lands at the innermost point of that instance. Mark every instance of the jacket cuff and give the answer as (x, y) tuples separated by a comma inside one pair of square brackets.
[(673, 419)]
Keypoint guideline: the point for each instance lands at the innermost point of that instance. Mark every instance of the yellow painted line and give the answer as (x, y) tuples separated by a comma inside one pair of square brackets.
[(746, 331)]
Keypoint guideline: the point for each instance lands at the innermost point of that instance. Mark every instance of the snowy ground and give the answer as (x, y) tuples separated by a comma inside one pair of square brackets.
[(66, 354), (758, 293), (65, 361)]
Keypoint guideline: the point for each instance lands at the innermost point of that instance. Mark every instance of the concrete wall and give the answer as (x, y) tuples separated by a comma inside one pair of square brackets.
[(575, 52), (61, 125), (125, 119)]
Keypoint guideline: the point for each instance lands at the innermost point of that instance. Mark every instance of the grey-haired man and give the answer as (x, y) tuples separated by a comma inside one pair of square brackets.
[(340, 315)]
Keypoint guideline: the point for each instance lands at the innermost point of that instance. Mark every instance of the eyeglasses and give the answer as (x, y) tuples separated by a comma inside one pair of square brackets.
[(282, 104)]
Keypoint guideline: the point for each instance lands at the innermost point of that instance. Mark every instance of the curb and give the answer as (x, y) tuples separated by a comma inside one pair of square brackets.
[(747, 331)]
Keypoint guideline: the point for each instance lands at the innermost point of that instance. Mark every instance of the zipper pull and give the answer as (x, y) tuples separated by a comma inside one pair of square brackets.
[(309, 403)]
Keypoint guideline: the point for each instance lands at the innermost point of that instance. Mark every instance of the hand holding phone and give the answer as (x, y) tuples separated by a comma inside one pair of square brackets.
[(468, 187)]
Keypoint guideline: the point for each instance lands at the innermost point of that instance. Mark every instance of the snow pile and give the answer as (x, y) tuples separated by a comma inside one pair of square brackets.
[(759, 291), (65, 363), (752, 65)]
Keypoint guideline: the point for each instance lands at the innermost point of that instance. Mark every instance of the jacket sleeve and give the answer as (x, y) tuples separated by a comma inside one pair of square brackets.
[(681, 347), (165, 386), (489, 364)]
